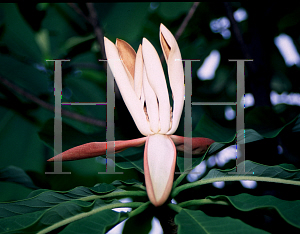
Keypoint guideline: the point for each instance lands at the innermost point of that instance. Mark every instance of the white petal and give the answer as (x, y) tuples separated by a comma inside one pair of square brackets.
[(133, 104), (176, 75), (159, 167), (127, 55), (157, 81), (138, 73), (151, 104), (142, 97)]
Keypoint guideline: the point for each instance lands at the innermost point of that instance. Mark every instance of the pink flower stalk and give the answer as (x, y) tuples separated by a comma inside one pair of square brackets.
[(142, 84)]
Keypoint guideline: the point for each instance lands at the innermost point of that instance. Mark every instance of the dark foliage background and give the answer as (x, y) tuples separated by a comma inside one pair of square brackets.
[(31, 33)]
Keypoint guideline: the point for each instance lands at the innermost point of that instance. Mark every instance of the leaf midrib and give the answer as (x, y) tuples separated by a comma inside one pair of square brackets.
[(197, 222), (233, 178)]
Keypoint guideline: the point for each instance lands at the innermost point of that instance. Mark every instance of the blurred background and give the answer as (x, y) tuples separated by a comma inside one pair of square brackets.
[(31, 33)]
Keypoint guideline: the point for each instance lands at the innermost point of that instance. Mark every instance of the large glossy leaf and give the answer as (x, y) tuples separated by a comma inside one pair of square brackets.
[(60, 215), (97, 223), (288, 210), (44, 199), (196, 221), (9, 224), (248, 171), (225, 137), (20, 147)]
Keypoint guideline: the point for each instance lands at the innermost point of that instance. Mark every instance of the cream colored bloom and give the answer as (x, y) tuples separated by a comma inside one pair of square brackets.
[(142, 84)]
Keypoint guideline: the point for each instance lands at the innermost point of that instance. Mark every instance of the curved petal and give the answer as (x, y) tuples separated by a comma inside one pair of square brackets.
[(95, 149), (199, 144), (134, 105), (127, 55), (175, 70), (138, 73), (151, 104), (157, 81), (159, 167)]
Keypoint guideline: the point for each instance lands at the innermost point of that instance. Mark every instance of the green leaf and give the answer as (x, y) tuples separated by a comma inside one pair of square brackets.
[(44, 199), (74, 41), (117, 15), (46, 209), (189, 221), (62, 23), (20, 147), (251, 171), (131, 158), (128, 183), (96, 223), (16, 175), (67, 213), (265, 121), (18, 36), (208, 128), (172, 10), (288, 210), (9, 224), (64, 214), (226, 137), (288, 167)]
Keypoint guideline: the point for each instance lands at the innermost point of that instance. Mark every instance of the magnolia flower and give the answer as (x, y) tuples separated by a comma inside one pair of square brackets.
[(142, 84)]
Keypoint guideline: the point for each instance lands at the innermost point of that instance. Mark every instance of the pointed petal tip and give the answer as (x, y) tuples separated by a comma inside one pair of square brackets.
[(162, 26), (107, 43), (126, 87), (163, 29), (106, 39), (145, 40), (157, 81)]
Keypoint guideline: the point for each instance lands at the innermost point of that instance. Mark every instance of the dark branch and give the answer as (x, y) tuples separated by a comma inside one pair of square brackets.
[(186, 20), (79, 11), (238, 35), (93, 19), (49, 106)]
